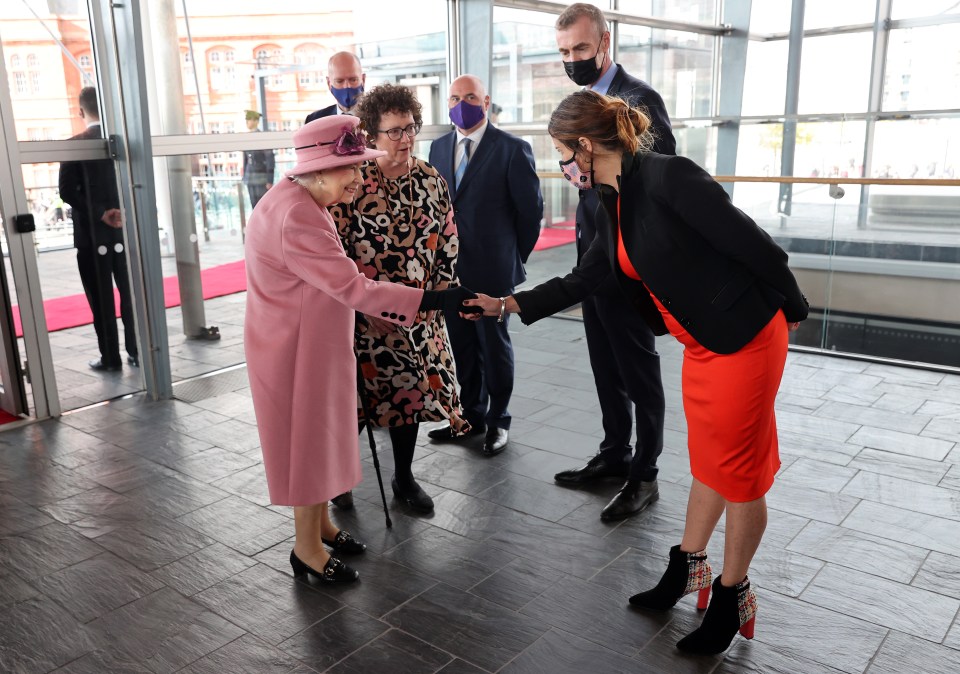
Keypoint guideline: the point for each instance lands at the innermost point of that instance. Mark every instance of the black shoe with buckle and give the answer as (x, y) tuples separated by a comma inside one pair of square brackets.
[(100, 366), (631, 499), (597, 468), (496, 441), (334, 571), (447, 434), (345, 543), (134, 360), (344, 501)]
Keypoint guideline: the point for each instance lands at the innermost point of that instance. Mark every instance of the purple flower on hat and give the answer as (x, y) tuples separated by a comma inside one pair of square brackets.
[(350, 142)]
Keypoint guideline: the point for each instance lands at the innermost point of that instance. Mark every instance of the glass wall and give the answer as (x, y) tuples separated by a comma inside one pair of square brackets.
[(237, 56), (49, 58), (836, 241), (224, 59)]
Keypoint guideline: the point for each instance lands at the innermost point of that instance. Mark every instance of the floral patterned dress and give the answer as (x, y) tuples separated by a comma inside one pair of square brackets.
[(408, 372)]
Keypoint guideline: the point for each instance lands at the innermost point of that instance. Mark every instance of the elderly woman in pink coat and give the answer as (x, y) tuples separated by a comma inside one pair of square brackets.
[(302, 295)]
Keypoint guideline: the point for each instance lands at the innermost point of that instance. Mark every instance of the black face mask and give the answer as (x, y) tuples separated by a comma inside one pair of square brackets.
[(585, 72)]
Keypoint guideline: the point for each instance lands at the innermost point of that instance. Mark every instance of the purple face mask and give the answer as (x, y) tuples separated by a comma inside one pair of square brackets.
[(466, 115), (572, 172)]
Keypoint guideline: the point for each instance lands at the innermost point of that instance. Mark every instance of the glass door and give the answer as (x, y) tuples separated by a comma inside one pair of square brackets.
[(75, 319)]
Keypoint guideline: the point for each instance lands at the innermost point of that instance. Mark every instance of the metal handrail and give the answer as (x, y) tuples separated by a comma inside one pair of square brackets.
[(830, 180)]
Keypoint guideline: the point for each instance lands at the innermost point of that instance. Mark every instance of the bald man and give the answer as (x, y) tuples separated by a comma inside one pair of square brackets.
[(345, 79), (497, 206)]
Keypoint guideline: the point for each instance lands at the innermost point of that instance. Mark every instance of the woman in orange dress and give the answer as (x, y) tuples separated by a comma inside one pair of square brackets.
[(698, 267)]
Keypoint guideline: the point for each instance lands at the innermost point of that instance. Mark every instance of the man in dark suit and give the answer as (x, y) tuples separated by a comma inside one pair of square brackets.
[(623, 356), (258, 165), (498, 207), (90, 187), (345, 79)]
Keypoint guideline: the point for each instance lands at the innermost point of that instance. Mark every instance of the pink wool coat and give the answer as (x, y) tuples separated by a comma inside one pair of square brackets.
[(302, 292)]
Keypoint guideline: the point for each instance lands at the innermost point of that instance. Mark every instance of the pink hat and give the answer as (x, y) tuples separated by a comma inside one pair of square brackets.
[(330, 142)]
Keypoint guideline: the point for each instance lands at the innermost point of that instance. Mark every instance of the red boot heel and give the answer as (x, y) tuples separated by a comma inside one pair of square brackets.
[(732, 609), (687, 572), (703, 599)]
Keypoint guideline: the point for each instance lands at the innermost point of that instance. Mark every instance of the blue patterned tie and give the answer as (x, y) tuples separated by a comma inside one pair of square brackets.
[(462, 166)]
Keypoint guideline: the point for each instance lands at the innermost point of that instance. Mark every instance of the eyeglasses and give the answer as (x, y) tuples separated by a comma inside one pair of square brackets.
[(396, 134)]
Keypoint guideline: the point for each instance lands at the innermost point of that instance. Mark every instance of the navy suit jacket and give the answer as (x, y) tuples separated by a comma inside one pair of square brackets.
[(90, 187), (498, 208), (322, 112), (638, 94)]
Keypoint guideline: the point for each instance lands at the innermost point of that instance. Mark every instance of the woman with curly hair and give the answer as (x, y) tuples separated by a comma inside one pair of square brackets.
[(401, 229)]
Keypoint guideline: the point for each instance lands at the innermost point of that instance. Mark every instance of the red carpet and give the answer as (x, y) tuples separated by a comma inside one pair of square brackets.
[(72, 311), (6, 417), (558, 234)]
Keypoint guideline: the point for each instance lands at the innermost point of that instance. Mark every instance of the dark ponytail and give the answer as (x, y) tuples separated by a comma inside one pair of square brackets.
[(606, 120)]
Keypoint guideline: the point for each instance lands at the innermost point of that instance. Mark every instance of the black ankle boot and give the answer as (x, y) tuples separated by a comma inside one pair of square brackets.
[(732, 609), (687, 572)]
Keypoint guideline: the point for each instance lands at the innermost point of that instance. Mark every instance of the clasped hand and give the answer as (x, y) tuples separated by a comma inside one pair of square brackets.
[(489, 305)]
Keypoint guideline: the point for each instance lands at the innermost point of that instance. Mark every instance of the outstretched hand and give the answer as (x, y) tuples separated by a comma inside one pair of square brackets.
[(483, 305)]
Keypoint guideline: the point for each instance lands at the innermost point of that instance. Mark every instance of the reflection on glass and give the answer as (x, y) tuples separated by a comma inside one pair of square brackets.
[(830, 13), (823, 149), (698, 144), (829, 84), (916, 148), (678, 65), (528, 77), (907, 9), (233, 67), (764, 84), (697, 11), (49, 57), (73, 336), (923, 68), (770, 16)]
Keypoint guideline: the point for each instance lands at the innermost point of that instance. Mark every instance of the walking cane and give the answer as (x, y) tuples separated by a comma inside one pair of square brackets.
[(361, 392)]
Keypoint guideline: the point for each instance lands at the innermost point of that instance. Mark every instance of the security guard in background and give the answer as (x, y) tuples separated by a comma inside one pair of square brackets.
[(257, 164)]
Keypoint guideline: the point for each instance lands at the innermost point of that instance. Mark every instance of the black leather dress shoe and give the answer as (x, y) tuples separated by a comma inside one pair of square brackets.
[(631, 499), (597, 468), (134, 360), (496, 440), (344, 501), (413, 495), (100, 366), (446, 434), (345, 543)]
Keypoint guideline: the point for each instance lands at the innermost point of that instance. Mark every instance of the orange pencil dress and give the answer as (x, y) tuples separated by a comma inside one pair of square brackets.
[(728, 401)]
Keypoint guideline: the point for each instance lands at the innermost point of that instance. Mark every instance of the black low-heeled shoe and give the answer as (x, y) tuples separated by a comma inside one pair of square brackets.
[(414, 496), (334, 571), (345, 542)]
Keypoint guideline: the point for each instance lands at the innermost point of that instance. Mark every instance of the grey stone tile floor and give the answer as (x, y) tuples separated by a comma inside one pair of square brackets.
[(137, 536)]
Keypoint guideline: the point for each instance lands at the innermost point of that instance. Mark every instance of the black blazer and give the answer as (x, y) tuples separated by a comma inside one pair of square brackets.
[(498, 208), (322, 112), (638, 94), (707, 262), (90, 187)]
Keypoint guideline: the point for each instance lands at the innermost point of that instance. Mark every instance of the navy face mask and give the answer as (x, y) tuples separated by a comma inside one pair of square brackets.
[(466, 115), (347, 96)]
